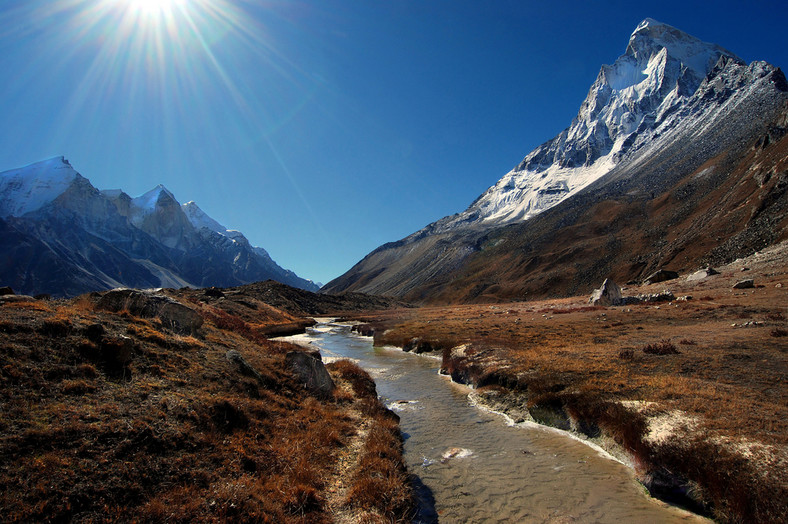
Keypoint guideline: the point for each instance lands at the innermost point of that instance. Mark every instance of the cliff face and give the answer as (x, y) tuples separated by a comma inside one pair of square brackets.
[(664, 151)]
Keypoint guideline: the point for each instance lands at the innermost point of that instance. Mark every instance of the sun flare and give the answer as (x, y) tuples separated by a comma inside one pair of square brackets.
[(154, 7)]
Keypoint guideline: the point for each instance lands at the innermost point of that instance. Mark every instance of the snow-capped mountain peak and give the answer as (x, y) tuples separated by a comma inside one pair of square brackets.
[(31, 187), (148, 201), (200, 220), (631, 102), (650, 36)]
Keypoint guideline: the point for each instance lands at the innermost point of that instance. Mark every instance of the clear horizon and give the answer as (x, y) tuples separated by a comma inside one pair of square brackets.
[(321, 130)]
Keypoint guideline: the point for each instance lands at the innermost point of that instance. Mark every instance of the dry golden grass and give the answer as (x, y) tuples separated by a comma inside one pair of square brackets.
[(171, 431), (716, 360)]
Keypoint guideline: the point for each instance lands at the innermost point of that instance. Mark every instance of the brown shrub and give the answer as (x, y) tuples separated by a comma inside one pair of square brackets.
[(663, 347)]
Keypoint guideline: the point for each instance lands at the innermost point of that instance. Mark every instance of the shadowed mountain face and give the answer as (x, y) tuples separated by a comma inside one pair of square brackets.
[(677, 158), (60, 235)]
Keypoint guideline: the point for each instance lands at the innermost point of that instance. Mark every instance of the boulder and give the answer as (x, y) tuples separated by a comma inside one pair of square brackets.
[(607, 295), (180, 318), (115, 355), (310, 371), (214, 292), (744, 284), (16, 298), (702, 273), (661, 276), (6, 291), (174, 315)]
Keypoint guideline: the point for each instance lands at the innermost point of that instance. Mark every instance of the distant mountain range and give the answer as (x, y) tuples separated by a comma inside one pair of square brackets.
[(677, 157), (59, 235)]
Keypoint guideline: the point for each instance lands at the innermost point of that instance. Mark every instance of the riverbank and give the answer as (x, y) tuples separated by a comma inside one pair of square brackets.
[(690, 393)]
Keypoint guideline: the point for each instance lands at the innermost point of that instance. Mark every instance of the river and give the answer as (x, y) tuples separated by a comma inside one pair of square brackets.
[(473, 466)]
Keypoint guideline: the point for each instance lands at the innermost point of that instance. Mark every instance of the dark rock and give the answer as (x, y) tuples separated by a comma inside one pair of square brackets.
[(661, 276), (115, 354), (173, 314), (94, 332), (138, 303), (607, 295), (6, 291), (214, 292), (744, 284), (180, 318), (43, 296), (310, 371), (245, 367), (365, 330)]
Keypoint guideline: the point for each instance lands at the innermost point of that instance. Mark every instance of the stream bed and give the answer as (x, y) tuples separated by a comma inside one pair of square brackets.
[(473, 466)]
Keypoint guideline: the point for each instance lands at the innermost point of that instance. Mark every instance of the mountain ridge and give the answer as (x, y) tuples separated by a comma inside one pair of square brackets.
[(106, 239)]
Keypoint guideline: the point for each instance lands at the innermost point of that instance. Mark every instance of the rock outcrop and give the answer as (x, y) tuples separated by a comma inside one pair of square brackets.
[(173, 315), (607, 295), (309, 370), (702, 273), (663, 275)]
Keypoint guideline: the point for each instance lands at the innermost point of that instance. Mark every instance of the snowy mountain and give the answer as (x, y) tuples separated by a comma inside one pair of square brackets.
[(62, 236), (631, 103), (671, 110), (30, 188)]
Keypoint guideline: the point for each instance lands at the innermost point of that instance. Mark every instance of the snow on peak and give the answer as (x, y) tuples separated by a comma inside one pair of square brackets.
[(148, 201), (31, 187), (627, 105), (200, 220), (651, 36)]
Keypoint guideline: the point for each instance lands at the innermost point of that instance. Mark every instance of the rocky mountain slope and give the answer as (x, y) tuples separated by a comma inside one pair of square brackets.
[(62, 236), (676, 157)]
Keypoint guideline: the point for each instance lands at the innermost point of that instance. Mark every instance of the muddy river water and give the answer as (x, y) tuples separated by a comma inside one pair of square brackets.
[(474, 467)]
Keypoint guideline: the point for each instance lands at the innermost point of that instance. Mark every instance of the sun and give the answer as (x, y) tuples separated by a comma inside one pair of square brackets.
[(154, 8)]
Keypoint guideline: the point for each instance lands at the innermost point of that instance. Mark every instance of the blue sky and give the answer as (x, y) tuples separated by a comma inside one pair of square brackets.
[(321, 129)]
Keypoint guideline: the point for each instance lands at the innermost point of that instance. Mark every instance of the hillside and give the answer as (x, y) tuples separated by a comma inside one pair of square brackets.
[(163, 406), (681, 164)]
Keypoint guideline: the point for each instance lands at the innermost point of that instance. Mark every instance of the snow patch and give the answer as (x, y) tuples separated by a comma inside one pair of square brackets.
[(32, 187)]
